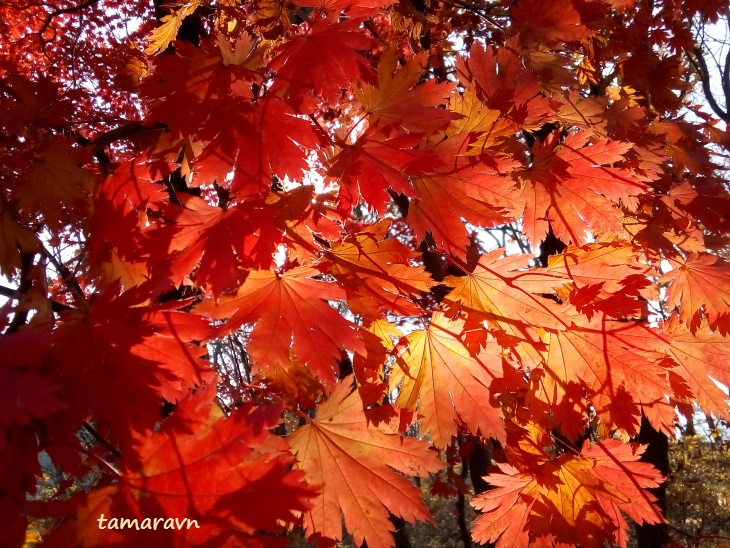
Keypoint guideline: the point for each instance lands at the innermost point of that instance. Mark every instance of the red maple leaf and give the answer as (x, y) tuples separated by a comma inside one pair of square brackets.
[(461, 187), (289, 310), (249, 143), (301, 68), (147, 351), (557, 22), (220, 243), (375, 164), (191, 469)]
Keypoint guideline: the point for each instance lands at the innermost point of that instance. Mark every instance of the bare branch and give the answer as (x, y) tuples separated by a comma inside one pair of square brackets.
[(15, 294), (697, 60)]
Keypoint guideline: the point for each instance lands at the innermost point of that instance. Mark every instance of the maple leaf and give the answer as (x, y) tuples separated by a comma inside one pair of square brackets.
[(605, 263), (376, 273), (32, 102), (701, 356), (656, 227), (132, 186), (216, 245), (356, 465), (200, 77), (588, 113), (301, 69), (570, 189), (255, 141), (27, 396), (703, 204), (378, 339), (144, 351), (559, 21), (489, 128), (462, 187), (500, 77), (306, 218), (14, 240), (28, 393), (194, 467), (438, 375), (505, 294), (289, 309), (295, 381), (221, 242), (397, 100), (610, 277), (700, 282), (606, 360), (585, 493), (123, 243), (163, 35), (241, 52), (374, 164), (56, 185)]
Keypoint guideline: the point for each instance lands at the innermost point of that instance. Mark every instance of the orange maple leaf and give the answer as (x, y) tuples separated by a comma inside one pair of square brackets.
[(376, 272), (399, 101), (701, 357), (439, 377), (505, 294), (462, 187), (356, 465), (700, 282), (585, 494), (605, 360), (571, 187)]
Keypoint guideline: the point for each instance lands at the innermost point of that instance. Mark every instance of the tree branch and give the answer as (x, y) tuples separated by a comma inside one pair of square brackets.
[(725, 81), (698, 62), (481, 11), (11, 293), (125, 131), (61, 11), (21, 314), (91, 430)]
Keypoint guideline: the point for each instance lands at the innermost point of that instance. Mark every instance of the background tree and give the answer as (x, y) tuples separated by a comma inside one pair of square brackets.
[(266, 260)]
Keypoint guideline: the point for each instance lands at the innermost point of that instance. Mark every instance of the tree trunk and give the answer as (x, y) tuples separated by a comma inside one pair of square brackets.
[(400, 535), (657, 453)]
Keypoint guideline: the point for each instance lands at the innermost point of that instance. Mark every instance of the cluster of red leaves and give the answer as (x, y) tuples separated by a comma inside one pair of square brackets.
[(305, 176)]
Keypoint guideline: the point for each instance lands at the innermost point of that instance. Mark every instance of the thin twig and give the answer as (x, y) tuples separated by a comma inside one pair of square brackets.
[(91, 430)]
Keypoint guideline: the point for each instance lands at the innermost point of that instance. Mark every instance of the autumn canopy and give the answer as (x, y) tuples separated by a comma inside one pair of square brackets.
[(265, 262)]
